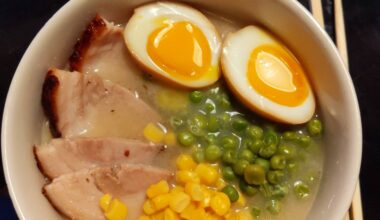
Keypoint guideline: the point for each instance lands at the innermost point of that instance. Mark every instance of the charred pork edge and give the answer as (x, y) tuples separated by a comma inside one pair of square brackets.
[(49, 95), (93, 30), (39, 164)]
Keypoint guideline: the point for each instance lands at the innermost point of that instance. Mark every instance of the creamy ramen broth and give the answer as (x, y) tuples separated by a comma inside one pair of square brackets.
[(118, 66)]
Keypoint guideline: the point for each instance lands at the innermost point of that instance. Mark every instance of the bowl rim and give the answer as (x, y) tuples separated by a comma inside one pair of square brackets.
[(293, 5)]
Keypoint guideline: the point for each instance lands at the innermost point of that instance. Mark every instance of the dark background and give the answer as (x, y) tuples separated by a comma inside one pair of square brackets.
[(20, 20)]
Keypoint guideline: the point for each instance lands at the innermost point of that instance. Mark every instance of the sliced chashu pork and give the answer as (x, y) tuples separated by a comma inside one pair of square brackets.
[(101, 50), (80, 104), (66, 155), (76, 195)]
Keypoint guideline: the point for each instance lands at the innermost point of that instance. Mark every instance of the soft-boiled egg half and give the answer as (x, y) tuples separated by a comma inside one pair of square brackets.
[(266, 76), (176, 43)]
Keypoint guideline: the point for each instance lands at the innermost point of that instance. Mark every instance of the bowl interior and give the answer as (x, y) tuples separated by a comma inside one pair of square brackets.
[(23, 116)]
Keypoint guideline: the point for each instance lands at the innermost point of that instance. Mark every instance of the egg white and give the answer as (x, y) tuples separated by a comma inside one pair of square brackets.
[(236, 53), (148, 18)]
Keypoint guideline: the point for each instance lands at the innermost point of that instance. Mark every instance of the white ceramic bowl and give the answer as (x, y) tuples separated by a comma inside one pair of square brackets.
[(23, 116)]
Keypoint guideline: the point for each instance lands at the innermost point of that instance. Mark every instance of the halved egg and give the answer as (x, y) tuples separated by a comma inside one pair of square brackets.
[(266, 76), (175, 42)]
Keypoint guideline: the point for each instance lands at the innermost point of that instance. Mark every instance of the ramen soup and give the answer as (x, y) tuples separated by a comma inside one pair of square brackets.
[(179, 114)]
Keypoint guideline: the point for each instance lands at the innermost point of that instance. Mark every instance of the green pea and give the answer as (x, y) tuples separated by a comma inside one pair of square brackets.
[(213, 153), (240, 166), (290, 136), (279, 191), (254, 132), (256, 146), (271, 138), (209, 107), (246, 143), (288, 151), (229, 157), (185, 138), (196, 124), (275, 177), (213, 123), (263, 162), (210, 138), (224, 118), (274, 207), (198, 156), (303, 140), (254, 174), (301, 189), (176, 122), (228, 173), (196, 96), (196, 130), (267, 151), (247, 189), (255, 212), (239, 123), (247, 155), (229, 142), (314, 127), (198, 120), (266, 190), (231, 192), (278, 162)]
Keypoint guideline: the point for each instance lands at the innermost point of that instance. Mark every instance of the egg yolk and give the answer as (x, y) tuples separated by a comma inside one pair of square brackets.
[(277, 75), (180, 49)]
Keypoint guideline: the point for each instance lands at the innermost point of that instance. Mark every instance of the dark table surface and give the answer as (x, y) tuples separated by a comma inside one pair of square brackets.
[(20, 20)]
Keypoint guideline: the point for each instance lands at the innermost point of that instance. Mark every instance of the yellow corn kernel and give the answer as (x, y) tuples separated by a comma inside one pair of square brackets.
[(144, 217), (177, 189), (194, 190), (153, 133), (208, 174), (207, 194), (105, 202), (198, 214), (242, 215), (158, 216), (159, 188), (116, 211), (220, 183), (185, 176), (232, 216), (161, 201), (242, 200), (220, 203), (148, 207), (185, 162), (186, 213), (170, 215), (170, 139), (211, 216), (179, 201)]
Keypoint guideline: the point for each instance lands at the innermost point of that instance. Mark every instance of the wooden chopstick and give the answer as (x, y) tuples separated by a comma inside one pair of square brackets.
[(355, 212), (340, 31), (316, 10)]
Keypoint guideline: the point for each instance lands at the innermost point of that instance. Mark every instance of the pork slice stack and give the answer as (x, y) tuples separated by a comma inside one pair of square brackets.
[(97, 118)]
